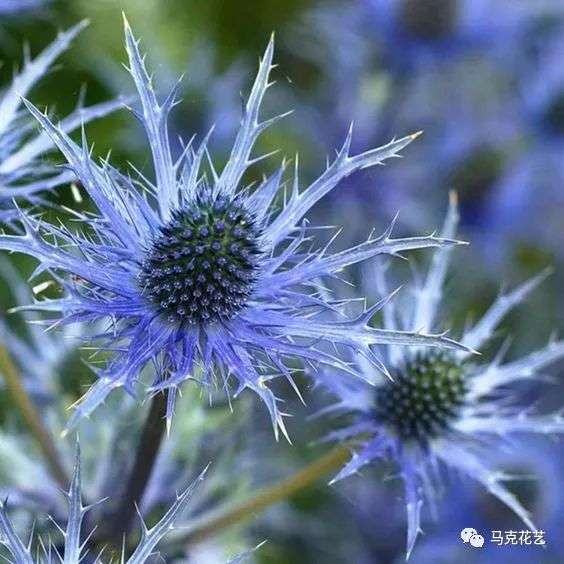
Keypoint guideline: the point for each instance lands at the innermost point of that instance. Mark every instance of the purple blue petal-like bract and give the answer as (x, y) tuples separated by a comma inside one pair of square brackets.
[(23, 173)]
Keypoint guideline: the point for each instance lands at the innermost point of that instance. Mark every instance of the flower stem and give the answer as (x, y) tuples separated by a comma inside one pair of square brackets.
[(210, 524), (147, 450), (32, 420)]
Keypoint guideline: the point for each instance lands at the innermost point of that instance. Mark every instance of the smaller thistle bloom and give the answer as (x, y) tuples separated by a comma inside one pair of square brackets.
[(442, 409), (23, 174), (199, 276)]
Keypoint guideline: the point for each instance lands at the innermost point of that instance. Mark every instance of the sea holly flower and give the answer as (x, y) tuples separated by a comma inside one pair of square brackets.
[(198, 275), (23, 172), (442, 410)]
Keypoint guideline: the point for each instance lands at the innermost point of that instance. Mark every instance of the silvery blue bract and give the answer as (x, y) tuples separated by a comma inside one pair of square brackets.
[(23, 173)]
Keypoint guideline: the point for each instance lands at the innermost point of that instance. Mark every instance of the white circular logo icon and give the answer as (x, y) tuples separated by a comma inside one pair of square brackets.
[(477, 541)]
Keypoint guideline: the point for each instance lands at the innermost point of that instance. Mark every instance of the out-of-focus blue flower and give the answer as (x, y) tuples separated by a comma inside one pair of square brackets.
[(217, 97), (23, 174), (380, 37), (14, 7), (442, 410), (416, 34), (75, 545), (216, 278), (496, 141), (541, 86), (526, 204), (530, 187), (343, 92)]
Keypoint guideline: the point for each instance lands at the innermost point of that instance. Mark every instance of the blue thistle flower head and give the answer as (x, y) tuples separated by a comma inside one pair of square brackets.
[(23, 174), (441, 409), (75, 547), (199, 276)]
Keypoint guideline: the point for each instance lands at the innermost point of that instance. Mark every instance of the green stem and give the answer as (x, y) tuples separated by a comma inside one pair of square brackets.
[(210, 524), (32, 420)]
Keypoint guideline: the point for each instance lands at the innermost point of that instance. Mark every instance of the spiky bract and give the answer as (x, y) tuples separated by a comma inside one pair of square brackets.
[(75, 543), (23, 173)]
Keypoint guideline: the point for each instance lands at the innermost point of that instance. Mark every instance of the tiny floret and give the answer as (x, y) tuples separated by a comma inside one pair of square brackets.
[(203, 265), (424, 398)]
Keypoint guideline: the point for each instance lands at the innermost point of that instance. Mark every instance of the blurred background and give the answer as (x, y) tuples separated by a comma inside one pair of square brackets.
[(484, 80)]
